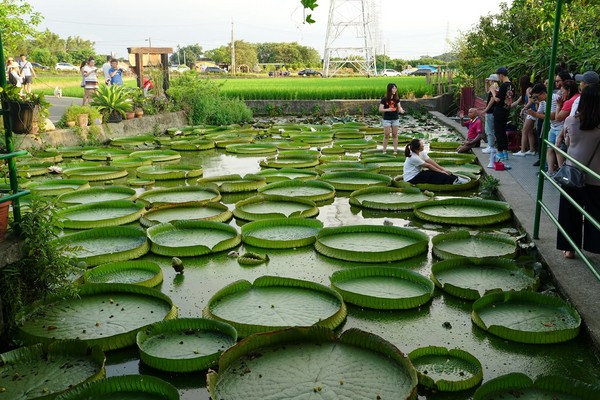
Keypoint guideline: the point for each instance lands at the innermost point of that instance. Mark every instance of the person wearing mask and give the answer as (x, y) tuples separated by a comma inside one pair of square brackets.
[(503, 100), (420, 168), (391, 109), (582, 133)]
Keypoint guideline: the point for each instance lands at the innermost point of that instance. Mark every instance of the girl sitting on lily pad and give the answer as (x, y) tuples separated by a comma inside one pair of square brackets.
[(420, 168)]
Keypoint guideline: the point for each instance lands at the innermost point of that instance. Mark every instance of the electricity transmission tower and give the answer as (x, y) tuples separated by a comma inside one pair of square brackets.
[(350, 37)]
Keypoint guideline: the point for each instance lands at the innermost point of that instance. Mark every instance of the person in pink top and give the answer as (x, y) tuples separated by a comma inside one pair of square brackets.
[(475, 133)]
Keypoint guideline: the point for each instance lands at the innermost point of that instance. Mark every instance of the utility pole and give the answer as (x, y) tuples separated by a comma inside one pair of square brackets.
[(232, 51), (178, 59), (384, 56), (149, 40)]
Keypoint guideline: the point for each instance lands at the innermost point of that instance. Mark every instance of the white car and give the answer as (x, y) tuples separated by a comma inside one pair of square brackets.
[(65, 67), (181, 68), (390, 72)]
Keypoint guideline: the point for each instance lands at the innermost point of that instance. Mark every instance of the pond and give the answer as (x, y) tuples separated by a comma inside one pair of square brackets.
[(445, 321)]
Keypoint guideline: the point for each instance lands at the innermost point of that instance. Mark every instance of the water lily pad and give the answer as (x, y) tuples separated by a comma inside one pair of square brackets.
[(481, 245), (107, 315), (309, 190), (382, 288), (464, 211), (167, 172), (371, 243), (97, 173), (100, 214), (388, 198), (194, 144), (125, 387), (276, 175), (103, 245), (274, 303), (143, 273), (97, 194), (186, 212), (56, 187), (526, 317), (180, 194), (352, 180), (34, 372), (296, 161), (252, 148), (281, 233), (157, 155), (271, 206), (104, 154), (192, 238), (312, 362), (472, 181), (472, 278), (185, 344), (446, 370), (234, 183)]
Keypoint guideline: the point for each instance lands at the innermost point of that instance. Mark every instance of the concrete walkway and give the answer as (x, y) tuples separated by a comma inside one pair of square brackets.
[(573, 279), (58, 105)]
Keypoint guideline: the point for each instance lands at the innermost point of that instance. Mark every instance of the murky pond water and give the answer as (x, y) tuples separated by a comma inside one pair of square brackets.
[(445, 321)]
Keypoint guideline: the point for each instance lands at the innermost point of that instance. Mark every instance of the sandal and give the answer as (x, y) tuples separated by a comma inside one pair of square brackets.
[(569, 254)]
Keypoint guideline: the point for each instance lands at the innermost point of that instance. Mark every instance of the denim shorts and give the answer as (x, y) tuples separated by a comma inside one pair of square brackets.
[(391, 122), (552, 134)]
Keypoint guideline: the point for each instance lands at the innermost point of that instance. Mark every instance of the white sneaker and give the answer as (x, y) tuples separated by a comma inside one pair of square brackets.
[(460, 180), (520, 154), (530, 153), (487, 150)]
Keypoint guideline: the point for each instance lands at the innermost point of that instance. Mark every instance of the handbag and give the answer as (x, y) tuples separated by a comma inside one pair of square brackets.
[(571, 177)]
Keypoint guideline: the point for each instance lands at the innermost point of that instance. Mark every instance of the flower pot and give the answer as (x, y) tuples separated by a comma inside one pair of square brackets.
[(4, 206), (115, 117), (82, 120), (21, 116), (139, 112), (70, 124), (129, 115)]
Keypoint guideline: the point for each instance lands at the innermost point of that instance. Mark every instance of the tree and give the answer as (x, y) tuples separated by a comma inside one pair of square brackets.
[(220, 55), (77, 44), (188, 54), (245, 54), (49, 41), (18, 22)]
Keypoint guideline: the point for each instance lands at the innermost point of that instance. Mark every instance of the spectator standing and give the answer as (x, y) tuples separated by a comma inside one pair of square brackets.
[(90, 79), (105, 70), (583, 135), (560, 111), (115, 73), (538, 95), (474, 134), (587, 78), (492, 89), (529, 121), (12, 69), (27, 73), (391, 109), (503, 99)]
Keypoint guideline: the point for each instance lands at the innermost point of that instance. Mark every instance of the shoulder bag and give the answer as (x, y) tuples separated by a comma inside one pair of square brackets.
[(571, 177)]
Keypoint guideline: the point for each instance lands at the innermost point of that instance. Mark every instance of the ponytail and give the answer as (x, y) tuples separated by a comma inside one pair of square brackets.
[(407, 150), (412, 147)]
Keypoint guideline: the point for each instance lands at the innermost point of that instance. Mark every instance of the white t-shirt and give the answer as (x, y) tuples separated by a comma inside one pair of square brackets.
[(91, 77), (413, 165), (105, 71), (554, 124), (26, 68), (575, 107)]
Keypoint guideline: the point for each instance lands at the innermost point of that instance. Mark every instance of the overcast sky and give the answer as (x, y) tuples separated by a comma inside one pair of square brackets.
[(407, 28)]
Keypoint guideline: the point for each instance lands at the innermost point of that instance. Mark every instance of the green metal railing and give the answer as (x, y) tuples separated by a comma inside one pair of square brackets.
[(543, 176), (13, 193)]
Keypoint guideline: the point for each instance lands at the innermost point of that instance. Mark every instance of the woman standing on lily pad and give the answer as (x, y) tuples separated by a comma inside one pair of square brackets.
[(391, 109), (420, 168)]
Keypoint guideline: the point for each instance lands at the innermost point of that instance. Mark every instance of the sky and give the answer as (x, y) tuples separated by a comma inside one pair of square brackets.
[(408, 29)]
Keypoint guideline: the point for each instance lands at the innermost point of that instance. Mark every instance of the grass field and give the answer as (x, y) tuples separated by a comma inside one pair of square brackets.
[(289, 88)]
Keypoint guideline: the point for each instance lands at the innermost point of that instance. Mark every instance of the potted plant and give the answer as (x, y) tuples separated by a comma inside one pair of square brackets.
[(139, 101), (25, 110), (112, 102)]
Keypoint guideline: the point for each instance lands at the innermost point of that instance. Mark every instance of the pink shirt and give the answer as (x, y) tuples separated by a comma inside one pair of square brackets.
[(475, 128), (568, 105)]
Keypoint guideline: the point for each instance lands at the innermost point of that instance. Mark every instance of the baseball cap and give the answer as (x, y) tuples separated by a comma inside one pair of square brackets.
[(493, 77), (502, 71), (588, 77)]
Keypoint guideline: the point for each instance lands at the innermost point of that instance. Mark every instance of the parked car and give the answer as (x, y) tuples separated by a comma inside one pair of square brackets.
[(407, 71), (421, 72), (390, 72), (179, 68), (40, 66), (61, 66), (310, 72), (214, 70)]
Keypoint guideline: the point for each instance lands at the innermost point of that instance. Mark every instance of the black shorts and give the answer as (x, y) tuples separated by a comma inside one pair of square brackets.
[(28, 79)]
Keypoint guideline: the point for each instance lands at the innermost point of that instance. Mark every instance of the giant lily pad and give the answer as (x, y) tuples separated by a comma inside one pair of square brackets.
[(311, 362), (184, 345), (371, 243), (281, 233), (234, 183), (180, 194), (97, 173), (34, 372), (389, 198), (446, 370), (100, 214), (472, 182), (383, 288), (193, 144), (297, 161), (274, 303), (96, 194), (252, 148), (167, 172), (104, 154), (481, 245), (526, 317), (276, 175), (309, 190), (464, 211), (157, 155), (517, 385), (103, 245), (125, 387), (472, 278), (271, 206), (143, 273), (186, 211), (192, 238), (107, 315), (56, 187), (355, 180)]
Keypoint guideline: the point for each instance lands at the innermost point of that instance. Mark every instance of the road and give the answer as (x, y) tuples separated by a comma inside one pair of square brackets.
[(58, 105)]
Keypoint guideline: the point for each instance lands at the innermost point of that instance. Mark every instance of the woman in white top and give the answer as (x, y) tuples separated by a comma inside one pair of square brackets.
[(90, 78), (420, 168)]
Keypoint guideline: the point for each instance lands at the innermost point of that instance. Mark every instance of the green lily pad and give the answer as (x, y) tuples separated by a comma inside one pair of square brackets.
[(100, 214), (472, 278), (35, 372), (252, 148), (351, 180), (389, 198), (481, 245), (167, 172), (281, 233), (125, 387), (311, 362), (190, 211), (143, 273), (180, 194), (97, 194), (446, 370), (276, 175), (271, 206), (382, 288), (371, 243), (97, 173), (185, 344), (193, 144), (56, 187), (234, 183), (275, 303), (157, 155), (312, 190), (107, 315), (130, 141), (104, 154), (526, 317), (297, 161), (192, 238), (464, 211)]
